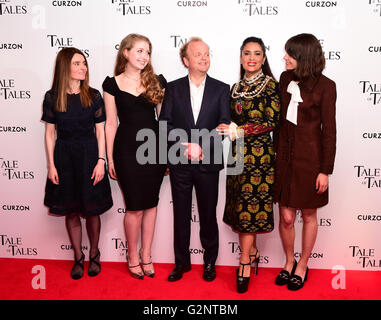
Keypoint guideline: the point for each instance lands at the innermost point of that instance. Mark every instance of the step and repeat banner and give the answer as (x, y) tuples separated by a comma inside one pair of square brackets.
[(32, 32)]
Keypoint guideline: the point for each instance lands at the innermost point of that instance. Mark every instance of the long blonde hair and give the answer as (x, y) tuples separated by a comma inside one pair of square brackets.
[(152, 89), (61, 80)]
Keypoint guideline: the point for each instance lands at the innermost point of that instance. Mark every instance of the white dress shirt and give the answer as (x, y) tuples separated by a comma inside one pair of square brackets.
[(196, 94)]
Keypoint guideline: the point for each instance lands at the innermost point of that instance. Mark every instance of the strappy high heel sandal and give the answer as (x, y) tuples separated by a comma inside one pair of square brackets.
[(242, 282), (148, 273), (254, 260), (94, 265), (78, 267), (136, 275)]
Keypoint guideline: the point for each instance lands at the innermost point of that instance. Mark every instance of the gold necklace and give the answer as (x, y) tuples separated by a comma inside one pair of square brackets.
[(138, 85), (135, 79)]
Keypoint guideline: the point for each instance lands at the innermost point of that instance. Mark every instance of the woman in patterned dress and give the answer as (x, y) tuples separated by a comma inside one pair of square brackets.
[(255, 106)]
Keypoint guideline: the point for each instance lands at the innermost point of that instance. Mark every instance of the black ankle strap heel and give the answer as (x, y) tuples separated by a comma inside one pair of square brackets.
[(242, 282), (78, 267), (254, 259), (94, 265)]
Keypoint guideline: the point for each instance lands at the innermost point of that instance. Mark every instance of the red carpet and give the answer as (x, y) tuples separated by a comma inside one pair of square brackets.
[(114, 282)]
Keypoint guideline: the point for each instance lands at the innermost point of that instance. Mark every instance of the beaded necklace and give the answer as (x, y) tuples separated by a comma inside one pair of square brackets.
[(257, 83)]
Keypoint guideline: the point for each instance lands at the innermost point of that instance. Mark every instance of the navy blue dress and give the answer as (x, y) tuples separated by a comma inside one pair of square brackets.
[(75, 157)]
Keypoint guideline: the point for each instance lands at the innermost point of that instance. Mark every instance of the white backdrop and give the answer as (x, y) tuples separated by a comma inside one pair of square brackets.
[(32, 32)]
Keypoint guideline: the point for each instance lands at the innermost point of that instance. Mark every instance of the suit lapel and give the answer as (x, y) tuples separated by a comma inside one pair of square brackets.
[(187, 99), (205, 98)]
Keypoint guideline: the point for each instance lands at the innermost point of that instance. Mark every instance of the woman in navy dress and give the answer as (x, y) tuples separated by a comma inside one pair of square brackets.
[(134, 96), (76, 185)]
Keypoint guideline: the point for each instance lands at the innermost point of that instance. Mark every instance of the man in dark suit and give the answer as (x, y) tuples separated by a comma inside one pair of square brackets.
[(195, 103)]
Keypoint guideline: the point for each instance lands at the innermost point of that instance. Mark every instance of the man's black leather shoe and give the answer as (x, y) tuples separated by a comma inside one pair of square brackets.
[(209, 272), (177, 272)]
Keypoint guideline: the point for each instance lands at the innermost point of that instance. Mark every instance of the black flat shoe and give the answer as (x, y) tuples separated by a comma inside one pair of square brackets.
[(209, 272), (77, 270), (94, 265), (296, 282), (242, 282), (177, 272), (284, 276)]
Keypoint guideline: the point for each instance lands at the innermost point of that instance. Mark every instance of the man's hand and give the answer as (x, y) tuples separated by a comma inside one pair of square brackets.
[(193, 151)]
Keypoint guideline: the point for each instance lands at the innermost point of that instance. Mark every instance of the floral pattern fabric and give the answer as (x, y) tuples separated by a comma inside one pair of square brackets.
[(249, 198)]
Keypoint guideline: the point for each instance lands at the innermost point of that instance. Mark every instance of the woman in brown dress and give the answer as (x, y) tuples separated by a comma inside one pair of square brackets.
[(306, 149)]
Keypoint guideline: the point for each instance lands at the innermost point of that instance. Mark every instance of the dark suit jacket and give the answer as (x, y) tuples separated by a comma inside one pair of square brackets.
[(177, 111)]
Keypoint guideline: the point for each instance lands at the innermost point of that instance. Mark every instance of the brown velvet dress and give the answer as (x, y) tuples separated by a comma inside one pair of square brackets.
[(308, 148)]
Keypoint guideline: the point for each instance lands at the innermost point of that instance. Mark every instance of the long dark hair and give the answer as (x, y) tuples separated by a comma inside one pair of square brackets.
[(61, 79), (266, 66), (305, 48)]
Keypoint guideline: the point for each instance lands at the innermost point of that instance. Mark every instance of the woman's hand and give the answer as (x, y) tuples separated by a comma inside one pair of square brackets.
[(228, 130), (53, 175), (111, 170), (98, 172), (321, 183), (223, 129)]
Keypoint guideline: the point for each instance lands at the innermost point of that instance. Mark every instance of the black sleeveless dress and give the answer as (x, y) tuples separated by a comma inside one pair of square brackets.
[(140, 183), (75, 157)]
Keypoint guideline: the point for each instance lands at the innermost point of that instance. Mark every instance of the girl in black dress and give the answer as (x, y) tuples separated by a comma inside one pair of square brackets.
[(76, 159), (134, 95)]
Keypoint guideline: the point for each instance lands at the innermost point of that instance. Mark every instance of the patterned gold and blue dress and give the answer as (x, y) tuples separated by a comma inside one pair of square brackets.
[(255, 108)]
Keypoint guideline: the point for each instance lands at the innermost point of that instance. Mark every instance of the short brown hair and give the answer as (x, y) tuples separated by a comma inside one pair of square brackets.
[(305, 48), (184, 48)]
